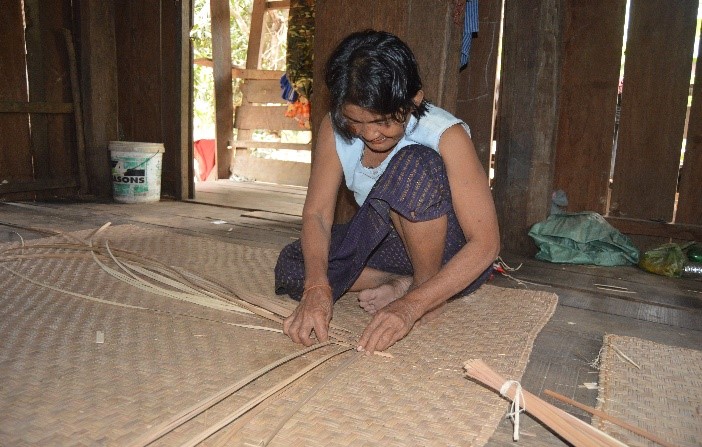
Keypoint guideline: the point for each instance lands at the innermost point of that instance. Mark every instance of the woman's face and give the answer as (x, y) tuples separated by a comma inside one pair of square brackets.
[(380, 133)]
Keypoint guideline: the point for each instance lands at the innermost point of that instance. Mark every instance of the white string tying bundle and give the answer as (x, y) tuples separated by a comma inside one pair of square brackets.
[(518, 404)]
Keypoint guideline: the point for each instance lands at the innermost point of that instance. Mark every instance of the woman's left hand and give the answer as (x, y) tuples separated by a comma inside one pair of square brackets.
[(389, 324)]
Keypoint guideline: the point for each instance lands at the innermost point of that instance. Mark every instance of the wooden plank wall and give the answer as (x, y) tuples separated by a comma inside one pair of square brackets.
[(476, 82), (38, 155), (592, 50), (426, 25), (654, 103), (527, 119), (98, 61), (149, 60), (139, 70), (690, 185)]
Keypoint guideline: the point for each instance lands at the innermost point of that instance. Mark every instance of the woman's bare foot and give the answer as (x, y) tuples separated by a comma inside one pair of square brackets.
[(372, 300)]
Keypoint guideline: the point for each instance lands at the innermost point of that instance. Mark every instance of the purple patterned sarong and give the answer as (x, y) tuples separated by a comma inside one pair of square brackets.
[(414, 185)]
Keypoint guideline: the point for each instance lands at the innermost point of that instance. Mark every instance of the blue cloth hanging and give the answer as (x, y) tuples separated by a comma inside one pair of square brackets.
[(287, 92), (470, 26)]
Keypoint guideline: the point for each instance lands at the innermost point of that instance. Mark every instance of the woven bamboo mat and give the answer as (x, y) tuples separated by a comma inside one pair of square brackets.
[(75, 372), (658, 388)]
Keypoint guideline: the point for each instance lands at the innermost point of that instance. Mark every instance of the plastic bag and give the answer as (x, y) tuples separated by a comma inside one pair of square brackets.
[(666, 260), (582, 238)]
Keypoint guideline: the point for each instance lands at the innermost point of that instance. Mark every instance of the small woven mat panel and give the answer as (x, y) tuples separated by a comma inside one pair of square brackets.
[(653, 386), (79, 372)]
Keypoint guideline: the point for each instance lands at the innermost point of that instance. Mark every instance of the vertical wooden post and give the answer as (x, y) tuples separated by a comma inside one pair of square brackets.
[(592, 57), (99, 81), (527, 118), (187, 182), (222, 60)]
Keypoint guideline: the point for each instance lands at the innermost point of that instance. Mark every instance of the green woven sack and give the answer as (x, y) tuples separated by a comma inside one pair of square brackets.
[(582, 238)]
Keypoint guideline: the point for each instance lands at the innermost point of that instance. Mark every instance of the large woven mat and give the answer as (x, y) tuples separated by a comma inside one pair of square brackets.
[(61, 384), (653, 386)]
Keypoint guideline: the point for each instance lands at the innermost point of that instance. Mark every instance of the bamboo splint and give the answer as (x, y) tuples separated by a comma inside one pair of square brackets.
[(572, 429), (601, 414), (197, 409), (257, 400)]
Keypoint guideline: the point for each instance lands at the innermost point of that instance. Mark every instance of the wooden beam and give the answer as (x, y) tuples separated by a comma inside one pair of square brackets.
[(639, 227), (253, 54), (244, 73), (185, 129), (98, 61), (269, 117), (593, 33), (278, 4), (224, 107), (36, 107), (37, 185), (272, 145), (77, 111), (527, 117)]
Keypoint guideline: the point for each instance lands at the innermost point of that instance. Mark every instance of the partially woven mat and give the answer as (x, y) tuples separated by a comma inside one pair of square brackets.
[(653, 386), (75, 372)]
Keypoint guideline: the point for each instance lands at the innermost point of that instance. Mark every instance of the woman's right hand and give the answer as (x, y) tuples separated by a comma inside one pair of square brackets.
[(314, 313)]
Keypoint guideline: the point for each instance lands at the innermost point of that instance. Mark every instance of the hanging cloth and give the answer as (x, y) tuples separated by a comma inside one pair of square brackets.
[(470, 26)]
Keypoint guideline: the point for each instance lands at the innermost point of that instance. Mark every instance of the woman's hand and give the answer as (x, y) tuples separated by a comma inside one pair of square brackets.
[(314, 313), (389, 324)]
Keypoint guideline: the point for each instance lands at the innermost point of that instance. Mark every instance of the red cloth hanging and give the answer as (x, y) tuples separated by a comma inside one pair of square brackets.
[(205, 155)]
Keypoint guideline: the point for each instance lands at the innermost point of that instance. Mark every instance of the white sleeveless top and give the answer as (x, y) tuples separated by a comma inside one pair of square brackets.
[(426, 131)]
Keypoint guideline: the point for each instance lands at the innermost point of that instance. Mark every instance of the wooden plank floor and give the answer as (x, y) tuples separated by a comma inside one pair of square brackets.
[(593, 301)]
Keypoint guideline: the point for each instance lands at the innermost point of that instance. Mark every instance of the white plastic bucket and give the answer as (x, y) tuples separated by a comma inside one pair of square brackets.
[(136, 171)]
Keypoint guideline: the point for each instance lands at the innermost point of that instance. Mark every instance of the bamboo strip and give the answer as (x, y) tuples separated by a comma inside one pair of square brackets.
[(601, 414), (98, 300), (310, 394), (566, 425), (253, 402), (189, 413)]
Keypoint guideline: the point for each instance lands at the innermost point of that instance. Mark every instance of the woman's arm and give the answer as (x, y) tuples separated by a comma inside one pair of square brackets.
[(315, 309), (475, 210)]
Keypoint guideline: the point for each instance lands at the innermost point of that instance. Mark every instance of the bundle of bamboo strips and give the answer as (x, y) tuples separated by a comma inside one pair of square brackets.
[(570, 428)]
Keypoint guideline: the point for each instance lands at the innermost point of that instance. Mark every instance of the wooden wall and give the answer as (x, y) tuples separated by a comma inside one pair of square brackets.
[(554, 122), (641, 198), (38, 150), (476, 98), (592, 52), (150, 73), (426, 25), (527, 118), (129, 65)]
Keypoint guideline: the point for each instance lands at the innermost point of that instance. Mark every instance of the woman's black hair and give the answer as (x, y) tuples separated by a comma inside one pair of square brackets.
[(374, 70)]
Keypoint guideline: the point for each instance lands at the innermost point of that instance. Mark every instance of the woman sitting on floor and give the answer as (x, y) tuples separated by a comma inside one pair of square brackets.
[(426, 229)]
